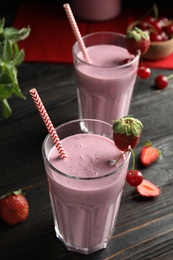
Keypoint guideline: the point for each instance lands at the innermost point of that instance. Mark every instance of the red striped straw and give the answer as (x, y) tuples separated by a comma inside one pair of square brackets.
[(76, 32), (47, 122)]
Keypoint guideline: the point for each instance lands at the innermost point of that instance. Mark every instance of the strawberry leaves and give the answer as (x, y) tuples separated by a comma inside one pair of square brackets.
[(10, 58), (126, 132), (137, 40)]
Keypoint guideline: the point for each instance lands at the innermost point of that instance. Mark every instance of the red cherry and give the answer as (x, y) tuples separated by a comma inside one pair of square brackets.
[(143, 25), (134, 177), (168, 29), (157, 26), (143, 72), (165, 37), (155, 37), (161, 82), (149, 19), (163, 20)]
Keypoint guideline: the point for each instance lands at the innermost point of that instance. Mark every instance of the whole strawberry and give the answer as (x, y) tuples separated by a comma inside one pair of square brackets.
[(126, 132), (137, 41), (14, 207)]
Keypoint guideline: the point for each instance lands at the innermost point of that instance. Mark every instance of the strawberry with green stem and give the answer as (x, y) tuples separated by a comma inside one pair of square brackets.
[(126, 134), (14, 207), (138, 41)]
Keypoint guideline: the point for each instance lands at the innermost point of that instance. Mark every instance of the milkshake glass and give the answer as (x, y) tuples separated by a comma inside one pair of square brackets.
[(96, 10), (85, 189), (105, 87)]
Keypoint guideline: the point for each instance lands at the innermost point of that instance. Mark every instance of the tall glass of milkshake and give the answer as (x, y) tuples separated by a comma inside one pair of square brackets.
[(85, 188), (105, 87)]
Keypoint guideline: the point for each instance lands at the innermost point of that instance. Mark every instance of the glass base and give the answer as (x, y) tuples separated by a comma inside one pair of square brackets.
[(81, 250)]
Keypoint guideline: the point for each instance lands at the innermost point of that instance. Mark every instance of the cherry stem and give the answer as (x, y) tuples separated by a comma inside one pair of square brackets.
[(154, 7), (133, 159), (142, 62), (156, 13), (170, 76), (119, 157)]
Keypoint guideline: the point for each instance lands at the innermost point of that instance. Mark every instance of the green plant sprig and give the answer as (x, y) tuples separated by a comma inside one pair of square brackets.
[(10, 58)]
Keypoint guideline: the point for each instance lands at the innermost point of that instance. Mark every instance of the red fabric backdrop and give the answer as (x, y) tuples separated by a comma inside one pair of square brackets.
[(51, 38)]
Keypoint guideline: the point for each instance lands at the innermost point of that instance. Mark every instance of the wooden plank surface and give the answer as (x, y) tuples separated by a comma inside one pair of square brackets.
[(144, 228)]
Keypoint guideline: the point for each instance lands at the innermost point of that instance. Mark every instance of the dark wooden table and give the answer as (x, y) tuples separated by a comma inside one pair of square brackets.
[(144, 228)]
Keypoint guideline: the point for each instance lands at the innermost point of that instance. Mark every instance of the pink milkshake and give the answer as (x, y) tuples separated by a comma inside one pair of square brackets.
[(85, 189), (105, 87)]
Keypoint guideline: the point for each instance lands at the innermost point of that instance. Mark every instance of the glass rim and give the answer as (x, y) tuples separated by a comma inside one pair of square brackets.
[(112, 172), (136, 57)]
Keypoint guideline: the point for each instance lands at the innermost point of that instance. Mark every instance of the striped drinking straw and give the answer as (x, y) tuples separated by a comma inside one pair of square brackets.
[(76, 32), (48, 123)]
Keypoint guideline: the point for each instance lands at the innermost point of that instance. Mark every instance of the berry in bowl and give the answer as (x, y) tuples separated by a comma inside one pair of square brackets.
[(160, 31)]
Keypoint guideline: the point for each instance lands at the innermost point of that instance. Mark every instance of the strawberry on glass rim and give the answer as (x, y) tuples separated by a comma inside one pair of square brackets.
[(126, 132), (126, 135), (137, 41)]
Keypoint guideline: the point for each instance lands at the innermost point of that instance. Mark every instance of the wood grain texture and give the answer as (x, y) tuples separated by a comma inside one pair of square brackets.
[(144, 228)]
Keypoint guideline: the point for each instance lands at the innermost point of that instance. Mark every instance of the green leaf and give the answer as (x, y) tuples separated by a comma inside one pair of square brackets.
[(6, 90), (17, 91), (6, 110), (2, 23), (8, 73), (1, 50), (10, 58), (8, 51), (23, 33), (18, 57), (15, 50), (16, 35)]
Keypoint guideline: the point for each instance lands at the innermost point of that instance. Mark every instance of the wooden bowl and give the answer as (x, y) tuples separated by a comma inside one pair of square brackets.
[(157, 50)]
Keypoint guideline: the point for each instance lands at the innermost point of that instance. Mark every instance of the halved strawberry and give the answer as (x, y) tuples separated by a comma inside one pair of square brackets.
[(126, 132), (148, 189), (149, 154), (137, 41)]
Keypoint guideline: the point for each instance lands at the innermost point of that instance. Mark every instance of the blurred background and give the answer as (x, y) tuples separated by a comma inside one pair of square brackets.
[(8, 10)]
